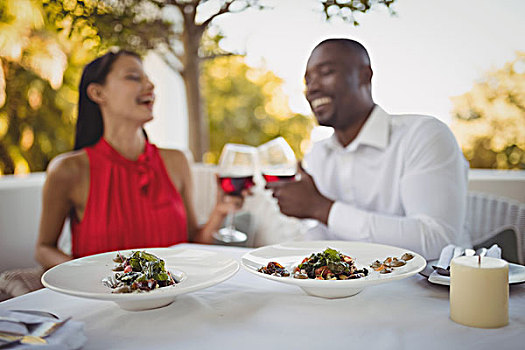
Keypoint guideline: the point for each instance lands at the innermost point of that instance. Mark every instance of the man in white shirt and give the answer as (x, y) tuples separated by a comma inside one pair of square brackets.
[(398, 180)]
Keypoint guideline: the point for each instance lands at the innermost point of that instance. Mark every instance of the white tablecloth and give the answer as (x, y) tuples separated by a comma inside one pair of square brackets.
[(247, 312)]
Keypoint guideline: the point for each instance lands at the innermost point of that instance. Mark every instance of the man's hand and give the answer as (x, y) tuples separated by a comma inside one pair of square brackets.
[(301, 198)]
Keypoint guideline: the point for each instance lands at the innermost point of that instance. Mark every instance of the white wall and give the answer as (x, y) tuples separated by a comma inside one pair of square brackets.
[(20, 204), (510, 184), (169, 128)]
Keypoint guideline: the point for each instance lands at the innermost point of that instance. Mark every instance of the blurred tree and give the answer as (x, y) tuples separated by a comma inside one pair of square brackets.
[(33, 67), (247, 105), (43, 48), (489, 120)]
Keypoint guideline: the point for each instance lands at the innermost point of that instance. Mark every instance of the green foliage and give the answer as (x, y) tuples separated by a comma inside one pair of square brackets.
[(136, 25), (490, 119), (346, 9), (246, 105), (38, 124), (44, 47)]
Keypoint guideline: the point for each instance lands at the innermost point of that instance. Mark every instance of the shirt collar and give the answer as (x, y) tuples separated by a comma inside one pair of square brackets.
[(375, 132)]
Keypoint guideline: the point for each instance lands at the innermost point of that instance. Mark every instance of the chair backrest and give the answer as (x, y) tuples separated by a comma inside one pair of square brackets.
[(488, 214)]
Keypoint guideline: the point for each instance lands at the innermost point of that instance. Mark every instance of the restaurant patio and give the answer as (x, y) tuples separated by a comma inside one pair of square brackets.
[(232, 71)]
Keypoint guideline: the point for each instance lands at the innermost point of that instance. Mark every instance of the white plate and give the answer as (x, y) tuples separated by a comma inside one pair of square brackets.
[(290, 254), (198, 269), (516, 274)]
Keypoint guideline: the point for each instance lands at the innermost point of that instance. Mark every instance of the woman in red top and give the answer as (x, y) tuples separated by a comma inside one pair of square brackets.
[(119, 190)]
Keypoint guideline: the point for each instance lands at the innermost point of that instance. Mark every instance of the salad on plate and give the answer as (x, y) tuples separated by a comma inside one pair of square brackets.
[(139, 272)]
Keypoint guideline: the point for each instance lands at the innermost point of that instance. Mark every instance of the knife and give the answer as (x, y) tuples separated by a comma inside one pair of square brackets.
[(47, 328), (11, 339)]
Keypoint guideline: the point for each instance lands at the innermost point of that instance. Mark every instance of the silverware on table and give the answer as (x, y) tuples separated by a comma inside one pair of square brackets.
[(47, 328), (9, 339), (37, 332), (37, 313), (458, 251), (442, 271), (37, 328)]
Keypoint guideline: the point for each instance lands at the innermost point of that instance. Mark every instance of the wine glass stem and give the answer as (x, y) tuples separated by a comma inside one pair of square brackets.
[(229, 222)]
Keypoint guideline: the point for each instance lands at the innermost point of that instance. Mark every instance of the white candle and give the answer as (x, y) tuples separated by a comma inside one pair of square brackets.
[(479, 291)]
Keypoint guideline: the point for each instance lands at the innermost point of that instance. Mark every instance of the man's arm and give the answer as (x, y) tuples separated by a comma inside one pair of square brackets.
[(433, 195)]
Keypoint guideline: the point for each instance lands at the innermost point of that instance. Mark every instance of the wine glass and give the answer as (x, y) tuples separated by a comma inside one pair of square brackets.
[(277, 160), (236, 170)]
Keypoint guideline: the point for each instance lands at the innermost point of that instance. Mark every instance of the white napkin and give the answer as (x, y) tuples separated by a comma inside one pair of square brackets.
[(451, 251), (68, 337)]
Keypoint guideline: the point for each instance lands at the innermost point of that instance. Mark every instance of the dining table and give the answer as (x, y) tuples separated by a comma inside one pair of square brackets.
[(249, 312)]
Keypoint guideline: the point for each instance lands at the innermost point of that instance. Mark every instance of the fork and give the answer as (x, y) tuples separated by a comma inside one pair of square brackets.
[(37, 313), (37, 329), (29, 312), (31, 326)]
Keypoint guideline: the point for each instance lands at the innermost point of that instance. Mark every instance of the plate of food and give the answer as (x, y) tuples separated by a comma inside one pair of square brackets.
[(140, 279), (332, 269)]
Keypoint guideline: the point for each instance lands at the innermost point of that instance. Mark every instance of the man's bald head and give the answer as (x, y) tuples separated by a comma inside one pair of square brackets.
[(351, 47)]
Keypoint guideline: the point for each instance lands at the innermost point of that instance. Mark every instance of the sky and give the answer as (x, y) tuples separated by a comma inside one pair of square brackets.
[(430, 51)]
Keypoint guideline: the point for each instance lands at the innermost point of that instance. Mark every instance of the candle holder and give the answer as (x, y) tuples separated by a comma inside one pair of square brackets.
[(479, 291)]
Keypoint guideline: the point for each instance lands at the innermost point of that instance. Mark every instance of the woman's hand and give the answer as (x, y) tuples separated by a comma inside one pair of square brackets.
[(225, 203)]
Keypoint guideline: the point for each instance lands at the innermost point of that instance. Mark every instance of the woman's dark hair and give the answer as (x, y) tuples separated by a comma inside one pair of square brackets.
[(90, 127)]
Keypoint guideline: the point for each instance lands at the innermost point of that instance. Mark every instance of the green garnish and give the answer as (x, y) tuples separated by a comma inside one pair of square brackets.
[(141, 272)]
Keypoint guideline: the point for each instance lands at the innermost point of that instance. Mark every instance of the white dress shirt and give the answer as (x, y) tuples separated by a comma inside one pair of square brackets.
[(401, 182)]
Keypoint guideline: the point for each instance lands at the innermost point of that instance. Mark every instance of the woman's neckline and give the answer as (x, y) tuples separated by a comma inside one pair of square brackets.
[(110, 150)]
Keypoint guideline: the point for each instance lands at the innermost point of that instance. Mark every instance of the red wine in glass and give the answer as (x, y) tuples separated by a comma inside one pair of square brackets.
[(274, 178), (234, 185)]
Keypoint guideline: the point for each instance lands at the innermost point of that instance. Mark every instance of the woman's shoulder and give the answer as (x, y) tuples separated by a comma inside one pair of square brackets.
[(173, 154), (177, 166), (69, 166), (173, 157)]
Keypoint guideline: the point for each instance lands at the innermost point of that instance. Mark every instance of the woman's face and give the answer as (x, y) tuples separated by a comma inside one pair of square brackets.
[(127, 93)]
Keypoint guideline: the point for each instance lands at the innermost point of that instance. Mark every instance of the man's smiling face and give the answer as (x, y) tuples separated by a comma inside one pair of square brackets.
[(333, 86)]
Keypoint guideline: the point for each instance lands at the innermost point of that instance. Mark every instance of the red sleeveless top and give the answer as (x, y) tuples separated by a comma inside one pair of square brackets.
[(131, 204)]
